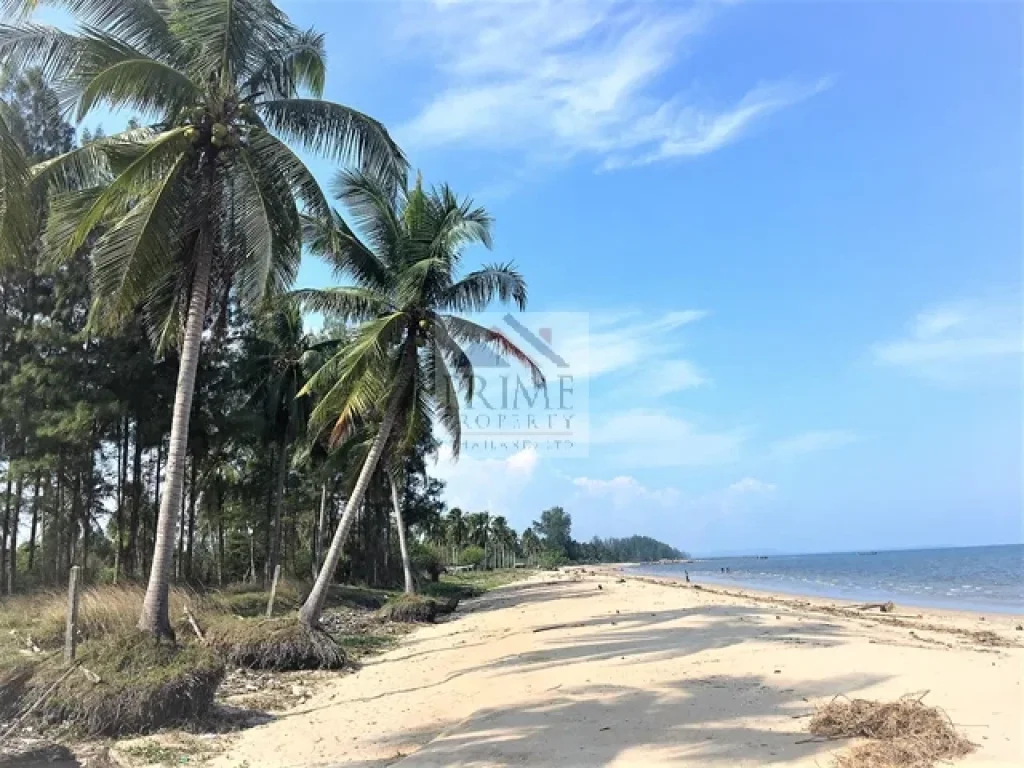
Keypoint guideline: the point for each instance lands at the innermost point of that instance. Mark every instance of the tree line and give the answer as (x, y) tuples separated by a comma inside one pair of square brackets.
[(164, 412)]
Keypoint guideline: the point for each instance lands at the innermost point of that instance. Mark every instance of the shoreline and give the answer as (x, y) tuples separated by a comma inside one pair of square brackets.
[(742, 590), (589, 666), (906, 600)]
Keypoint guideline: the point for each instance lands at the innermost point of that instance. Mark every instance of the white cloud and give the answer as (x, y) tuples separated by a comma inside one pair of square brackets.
[(749, 485), (651, 437), (627, 342), (485, 484), (672, 376), (810, 442), (559, 77), (959, 342), (625, 491)]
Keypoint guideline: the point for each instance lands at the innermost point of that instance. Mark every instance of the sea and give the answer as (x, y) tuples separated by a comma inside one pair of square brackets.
[(986, 579)]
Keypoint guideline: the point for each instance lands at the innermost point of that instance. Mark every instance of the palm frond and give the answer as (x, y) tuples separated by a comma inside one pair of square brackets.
[(286, 71), (455, 223), (138, 23), (15, 206), (26, 45), (444, 396), (94, 163), (164, 152), (346, 303), (146, 85), (468, 332), (477, 290), (338, 133), (374, 206), (334, 241), (270, 244), (279, 159), (455, 356), (139, 250), (228, 38)]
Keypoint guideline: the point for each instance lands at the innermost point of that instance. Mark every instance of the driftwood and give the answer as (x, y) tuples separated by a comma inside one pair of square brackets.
[(91, 676), (195, 625), (560, 626), (888, 607)]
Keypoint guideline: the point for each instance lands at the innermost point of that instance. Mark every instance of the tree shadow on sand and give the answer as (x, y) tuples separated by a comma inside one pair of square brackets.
[(724, 720)]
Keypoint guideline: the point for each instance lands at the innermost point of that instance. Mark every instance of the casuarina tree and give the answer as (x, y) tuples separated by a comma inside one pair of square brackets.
[(201, 205)]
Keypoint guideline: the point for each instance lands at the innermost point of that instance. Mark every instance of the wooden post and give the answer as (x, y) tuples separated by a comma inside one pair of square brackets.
[(70, 641), (273, 590)]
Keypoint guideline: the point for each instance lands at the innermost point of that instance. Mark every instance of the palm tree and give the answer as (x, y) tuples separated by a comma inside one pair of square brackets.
[(531, 543), (479, 524), (203, 203), (504, 537), (455, 529), (408, 346)]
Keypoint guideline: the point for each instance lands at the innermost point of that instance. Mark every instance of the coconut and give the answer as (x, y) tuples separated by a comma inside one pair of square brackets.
[(219, 130)]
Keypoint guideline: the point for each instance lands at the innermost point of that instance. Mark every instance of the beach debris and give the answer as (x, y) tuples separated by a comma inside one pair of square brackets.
[(550, 627), (599, 586), (1020, 627), (621, 581), (888, 607), (905, 733)]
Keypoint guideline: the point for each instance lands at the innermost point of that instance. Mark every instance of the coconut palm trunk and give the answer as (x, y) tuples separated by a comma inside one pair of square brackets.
[(410, 588), (321, 530), (310, 612), (155, 617), (282, 477)]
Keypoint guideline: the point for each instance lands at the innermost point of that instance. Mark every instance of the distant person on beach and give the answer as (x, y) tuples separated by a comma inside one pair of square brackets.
[(687, 576)]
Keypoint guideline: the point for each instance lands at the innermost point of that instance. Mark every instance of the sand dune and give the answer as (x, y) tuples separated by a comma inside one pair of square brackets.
[(645, 674)]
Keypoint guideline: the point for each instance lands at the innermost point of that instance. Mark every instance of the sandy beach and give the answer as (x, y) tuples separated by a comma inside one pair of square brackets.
[(587, 668)]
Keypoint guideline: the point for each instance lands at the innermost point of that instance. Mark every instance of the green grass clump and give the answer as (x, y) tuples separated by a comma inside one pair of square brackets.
[(278, 644), (410, 608), (143, 685)]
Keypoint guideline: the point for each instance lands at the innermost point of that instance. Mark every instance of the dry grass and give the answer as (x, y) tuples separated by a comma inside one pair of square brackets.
[(102, 611), (904, 734)]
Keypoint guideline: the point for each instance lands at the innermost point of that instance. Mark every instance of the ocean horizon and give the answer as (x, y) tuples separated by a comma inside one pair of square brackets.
[(985, 578)]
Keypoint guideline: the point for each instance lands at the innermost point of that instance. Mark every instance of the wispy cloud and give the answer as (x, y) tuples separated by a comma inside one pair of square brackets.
[(957, 343), (652, 437), (555, 78), (614, 342), (626, 491), (749, 485), (810, 442)]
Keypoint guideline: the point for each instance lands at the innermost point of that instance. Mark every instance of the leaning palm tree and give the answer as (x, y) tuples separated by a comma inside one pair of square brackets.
[(203, 203), (408, 346)]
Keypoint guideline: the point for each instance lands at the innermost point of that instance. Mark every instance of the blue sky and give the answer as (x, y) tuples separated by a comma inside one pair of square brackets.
[(832, 192)]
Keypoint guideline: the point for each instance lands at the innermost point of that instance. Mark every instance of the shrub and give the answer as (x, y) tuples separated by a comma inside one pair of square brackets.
[(550, 559), (472, 556), (427, 560)]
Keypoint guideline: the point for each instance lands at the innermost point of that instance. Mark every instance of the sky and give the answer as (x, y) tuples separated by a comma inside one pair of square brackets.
[(795, 229)]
